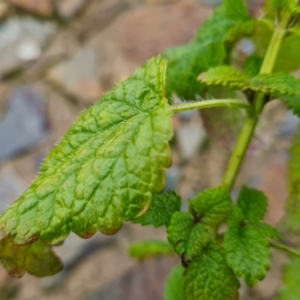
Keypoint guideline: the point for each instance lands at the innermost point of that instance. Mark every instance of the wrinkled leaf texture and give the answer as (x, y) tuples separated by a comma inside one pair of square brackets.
[(105, 169)]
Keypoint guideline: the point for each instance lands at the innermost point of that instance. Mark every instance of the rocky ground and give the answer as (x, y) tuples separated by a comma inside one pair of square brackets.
[(57, 58)]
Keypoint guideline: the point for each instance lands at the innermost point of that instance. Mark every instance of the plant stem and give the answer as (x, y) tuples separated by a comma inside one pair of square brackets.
[(285, 248), (247, 131), (209, 104)]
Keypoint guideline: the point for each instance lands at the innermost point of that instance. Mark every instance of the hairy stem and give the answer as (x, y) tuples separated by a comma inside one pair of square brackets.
[(247, 131), (284, 248), (209, 104)]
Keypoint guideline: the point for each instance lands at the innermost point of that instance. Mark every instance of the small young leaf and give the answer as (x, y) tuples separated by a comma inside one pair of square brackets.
[(161, 209), (293, 204), (224, 75), (248, 252), (185, 63), (212, 206), (291, 287), (276, 83), (105, 170), (151, 248), (253, 203), (186, 235), (208, 276), (37, 259), (174, 285)]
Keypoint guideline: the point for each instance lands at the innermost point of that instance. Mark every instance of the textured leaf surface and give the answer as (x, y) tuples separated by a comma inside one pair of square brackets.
[(161, 209), (212, 206), (276, 83), (208, 277), (292, 102), (187, 236), (253, 204), (174, 286), (291, 287), (151, 248), (105, 170), (187, 62), (225, 75), (247, 252), (37, 259), (293, 205)]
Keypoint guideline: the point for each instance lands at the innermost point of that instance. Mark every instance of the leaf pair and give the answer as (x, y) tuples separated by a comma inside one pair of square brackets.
[(207, 275), (246, 240), (104, 172), (274, 84), (190, 232)]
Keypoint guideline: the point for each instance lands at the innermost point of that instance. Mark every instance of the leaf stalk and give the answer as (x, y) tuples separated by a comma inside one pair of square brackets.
[(209, 104)]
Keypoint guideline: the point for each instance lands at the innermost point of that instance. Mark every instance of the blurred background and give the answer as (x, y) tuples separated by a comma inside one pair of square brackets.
[(57, 57)]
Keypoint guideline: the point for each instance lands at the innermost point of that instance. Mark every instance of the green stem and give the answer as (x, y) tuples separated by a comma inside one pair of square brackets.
[(284, 248), (209, 104), (247, 131)]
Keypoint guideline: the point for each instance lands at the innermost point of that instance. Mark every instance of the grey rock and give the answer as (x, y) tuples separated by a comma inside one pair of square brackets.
[(11, 186), (73, 252), (24, 124), (289, 125), (173, 176), (79, 75), (21, 41), (190, 137)]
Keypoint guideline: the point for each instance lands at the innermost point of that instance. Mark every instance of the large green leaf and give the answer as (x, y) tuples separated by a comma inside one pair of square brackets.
[(208, 276), (106, 168), (161, 209), (187, 62), (174, 286)]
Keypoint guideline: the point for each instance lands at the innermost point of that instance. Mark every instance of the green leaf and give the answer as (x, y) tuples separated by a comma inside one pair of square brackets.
[(106, 168), (174, 286), (252, 66), (37, 259), (187, 236), (248, 252), (212, 206), (185, 63), (208, 276), (151, 248), (292, 102), (225, 75), (292, 220), (253, 203), (289, 48), (161, 209), (276, 83), (291, 287)]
